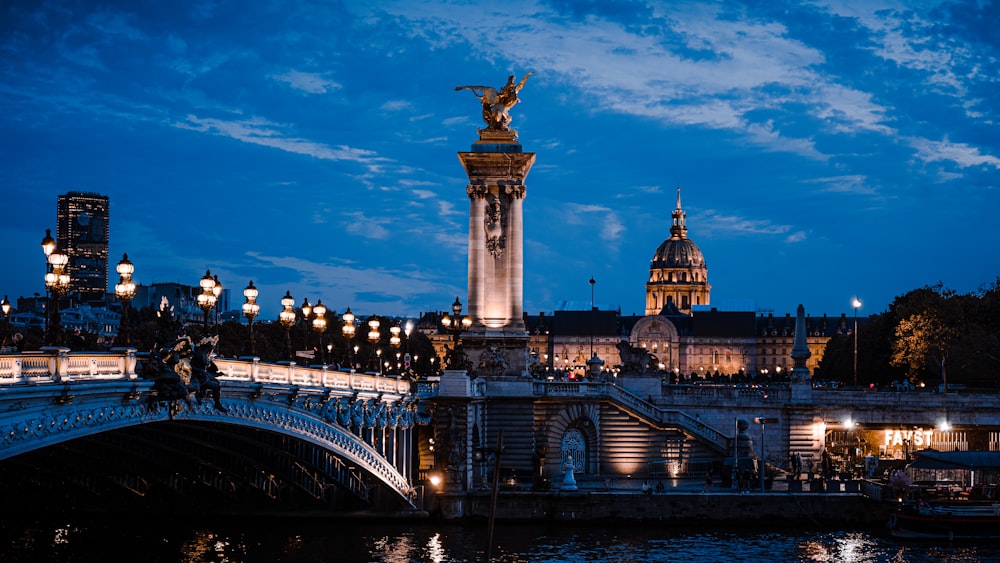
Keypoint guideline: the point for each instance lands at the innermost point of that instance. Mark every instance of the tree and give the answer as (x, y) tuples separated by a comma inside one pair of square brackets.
[(921, 338)]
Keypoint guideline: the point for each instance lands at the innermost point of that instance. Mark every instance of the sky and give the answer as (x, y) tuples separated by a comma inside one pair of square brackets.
[(824, 150)]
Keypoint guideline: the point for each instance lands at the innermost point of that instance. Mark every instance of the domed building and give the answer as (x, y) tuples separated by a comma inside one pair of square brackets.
[(678, 276)]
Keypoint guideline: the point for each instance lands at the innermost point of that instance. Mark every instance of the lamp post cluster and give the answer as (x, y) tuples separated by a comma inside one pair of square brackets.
[(56, 284), (456, 326), (124, 291), (250, 311), (287, 320), (348, 330), (319, 325), (211, 289)]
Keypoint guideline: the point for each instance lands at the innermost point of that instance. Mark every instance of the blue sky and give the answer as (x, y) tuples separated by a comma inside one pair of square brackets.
[(824, 149)]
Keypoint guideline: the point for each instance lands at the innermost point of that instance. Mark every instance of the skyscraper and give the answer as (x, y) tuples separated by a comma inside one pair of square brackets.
[(82, 233)]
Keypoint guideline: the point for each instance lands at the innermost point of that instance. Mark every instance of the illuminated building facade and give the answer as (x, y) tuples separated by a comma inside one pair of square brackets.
[(678, 276), (82, 233)]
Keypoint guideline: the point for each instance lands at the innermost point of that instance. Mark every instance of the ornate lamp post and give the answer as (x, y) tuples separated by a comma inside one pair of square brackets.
[(124, 291), (250, 310), (217, 291), (373, 336), (5, 308), (319, 325), (207, 298), (395, 341), (287, 320), (856, 303), (48, 247), (57, 282), (306, 310), (456, 327), (407, 330), (348, 330)]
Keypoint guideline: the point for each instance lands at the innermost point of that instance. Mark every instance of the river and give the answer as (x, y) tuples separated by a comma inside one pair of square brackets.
[(79, 538)]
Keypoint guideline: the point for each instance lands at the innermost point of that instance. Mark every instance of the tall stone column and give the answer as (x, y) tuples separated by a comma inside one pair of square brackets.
[(496, 344)]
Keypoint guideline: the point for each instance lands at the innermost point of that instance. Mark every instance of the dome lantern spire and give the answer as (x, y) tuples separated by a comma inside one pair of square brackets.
[(678, 229)]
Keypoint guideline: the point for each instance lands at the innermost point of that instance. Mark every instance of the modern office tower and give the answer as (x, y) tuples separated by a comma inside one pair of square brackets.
[(82, 233)]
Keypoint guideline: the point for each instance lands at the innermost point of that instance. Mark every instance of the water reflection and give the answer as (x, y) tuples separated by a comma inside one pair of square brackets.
[(293, 540)]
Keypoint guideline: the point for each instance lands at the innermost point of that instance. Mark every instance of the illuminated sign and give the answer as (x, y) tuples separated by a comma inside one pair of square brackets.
[(918, 437)]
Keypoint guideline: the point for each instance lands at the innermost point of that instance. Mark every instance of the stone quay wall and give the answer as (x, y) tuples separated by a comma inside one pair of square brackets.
[(688, 508)]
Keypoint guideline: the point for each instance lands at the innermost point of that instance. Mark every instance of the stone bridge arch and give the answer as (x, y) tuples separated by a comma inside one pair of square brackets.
[(294, 431)]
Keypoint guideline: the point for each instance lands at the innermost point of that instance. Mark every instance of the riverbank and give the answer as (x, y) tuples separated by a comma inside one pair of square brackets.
[(682, 502)]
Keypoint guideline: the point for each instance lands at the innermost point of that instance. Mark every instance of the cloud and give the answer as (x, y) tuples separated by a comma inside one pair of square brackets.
[(689, 64), (396, 105), (963, 155), (353, 279), (713, 222), (367, 227), (262, 132), (851, 183), (611, 225), (797, 236), (310, 82)]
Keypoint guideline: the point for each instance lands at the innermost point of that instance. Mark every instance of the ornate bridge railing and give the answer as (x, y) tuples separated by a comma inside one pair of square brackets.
[(55, 395)]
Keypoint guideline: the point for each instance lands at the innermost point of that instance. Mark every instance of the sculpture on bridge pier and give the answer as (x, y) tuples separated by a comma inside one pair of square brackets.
[(634, 360), (181, 370)]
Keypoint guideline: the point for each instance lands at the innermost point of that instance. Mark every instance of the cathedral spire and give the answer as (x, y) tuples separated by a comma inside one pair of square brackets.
[(679, 227)]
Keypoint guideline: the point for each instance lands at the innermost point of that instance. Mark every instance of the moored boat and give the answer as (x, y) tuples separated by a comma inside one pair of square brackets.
[(949, 521)]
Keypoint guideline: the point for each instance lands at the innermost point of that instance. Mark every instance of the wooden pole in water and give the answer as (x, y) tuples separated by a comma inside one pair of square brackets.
[(493, 495)]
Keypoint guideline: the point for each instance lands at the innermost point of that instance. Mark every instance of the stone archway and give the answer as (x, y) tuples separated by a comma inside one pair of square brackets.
[(574, 446)]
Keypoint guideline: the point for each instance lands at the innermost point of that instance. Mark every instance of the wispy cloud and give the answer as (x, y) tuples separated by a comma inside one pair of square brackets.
[(367, 227), (852, 183), (259, 131), (611, 225), (703, 67), (310, 82), (961, 154), (712, 222)]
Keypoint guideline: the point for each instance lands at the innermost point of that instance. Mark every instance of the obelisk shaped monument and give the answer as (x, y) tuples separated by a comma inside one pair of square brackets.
[(497, 343)]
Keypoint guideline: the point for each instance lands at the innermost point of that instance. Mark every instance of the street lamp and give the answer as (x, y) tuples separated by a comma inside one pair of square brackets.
[(306, 310), (48, 247), (407, 330), (456, 326), (287, 320), (856, 303), (5, 308), (319, 325), (57, 282), (762, 421), (348, 330), (374, 335), (217, 291), (395, 340), (207, 298), (250, 310), (124, 291)]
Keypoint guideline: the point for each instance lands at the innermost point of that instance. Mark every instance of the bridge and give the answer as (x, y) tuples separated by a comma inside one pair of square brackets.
[(87, 426)]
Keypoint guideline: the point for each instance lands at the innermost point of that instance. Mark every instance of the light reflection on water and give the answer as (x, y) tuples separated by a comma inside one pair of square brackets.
[(293, 540)]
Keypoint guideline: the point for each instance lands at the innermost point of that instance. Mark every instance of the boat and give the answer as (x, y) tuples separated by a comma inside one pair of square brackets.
[(949, 521), (962, 502)]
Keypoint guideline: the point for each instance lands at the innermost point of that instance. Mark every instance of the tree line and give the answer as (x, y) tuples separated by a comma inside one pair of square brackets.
[(931, 335)]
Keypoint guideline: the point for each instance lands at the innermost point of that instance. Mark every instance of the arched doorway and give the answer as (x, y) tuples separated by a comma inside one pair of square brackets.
[(574, 444)]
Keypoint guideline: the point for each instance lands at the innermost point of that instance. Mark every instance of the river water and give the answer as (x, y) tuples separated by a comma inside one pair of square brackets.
[(78, 539)]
